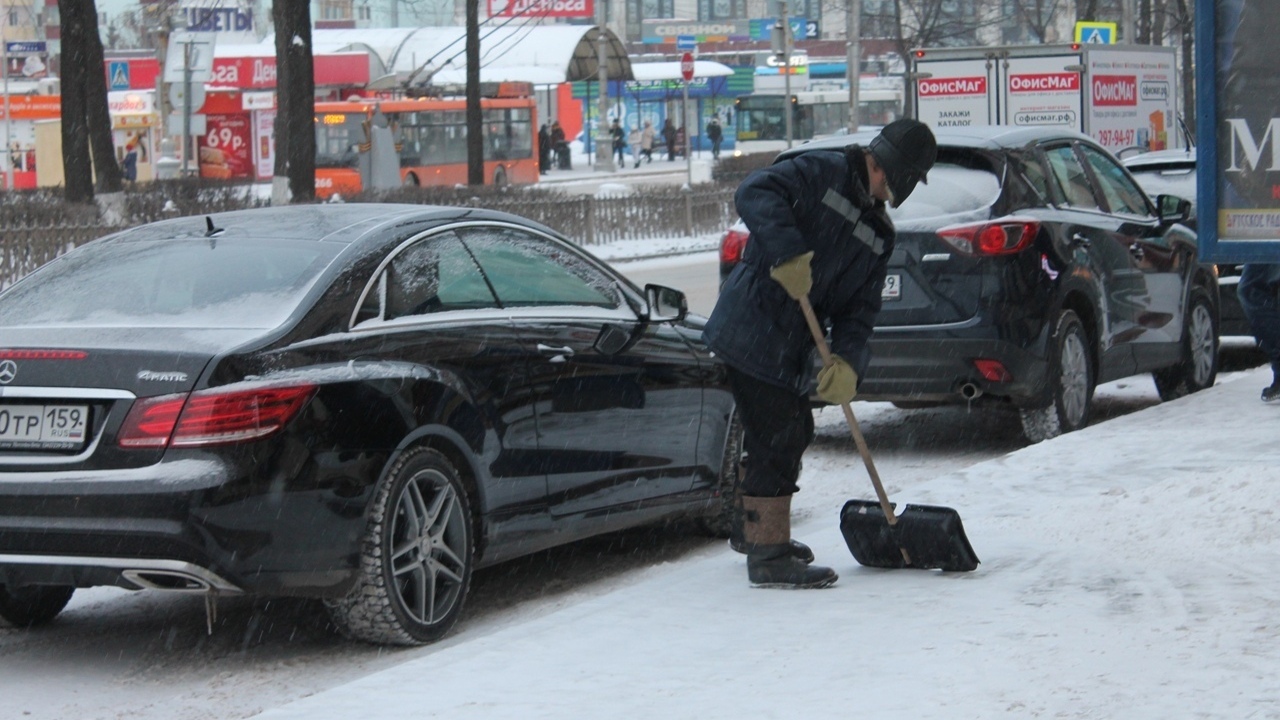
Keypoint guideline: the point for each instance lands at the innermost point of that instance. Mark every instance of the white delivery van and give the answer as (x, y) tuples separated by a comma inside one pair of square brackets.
[(1124, 96)]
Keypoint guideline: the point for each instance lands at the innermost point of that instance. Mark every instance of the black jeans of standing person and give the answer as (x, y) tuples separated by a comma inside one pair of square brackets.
[(778, 426)]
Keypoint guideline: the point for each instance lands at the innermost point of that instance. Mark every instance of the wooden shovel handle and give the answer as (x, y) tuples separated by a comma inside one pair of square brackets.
[(820, 339)]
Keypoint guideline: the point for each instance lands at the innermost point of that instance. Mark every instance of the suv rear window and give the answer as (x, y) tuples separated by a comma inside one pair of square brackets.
[(952, 189)]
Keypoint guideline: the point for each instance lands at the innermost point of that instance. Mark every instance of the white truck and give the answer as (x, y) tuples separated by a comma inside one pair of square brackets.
[(1124, 96)]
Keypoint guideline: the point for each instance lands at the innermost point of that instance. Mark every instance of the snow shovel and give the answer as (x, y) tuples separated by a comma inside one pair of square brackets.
[(924, 537)]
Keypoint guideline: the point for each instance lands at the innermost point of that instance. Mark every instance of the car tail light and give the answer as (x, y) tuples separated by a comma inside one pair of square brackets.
[(732, 245), (212, 417), (1005, 236), (993, 370)]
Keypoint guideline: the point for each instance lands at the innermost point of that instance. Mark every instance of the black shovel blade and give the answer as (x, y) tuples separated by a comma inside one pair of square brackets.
[(926, 537)]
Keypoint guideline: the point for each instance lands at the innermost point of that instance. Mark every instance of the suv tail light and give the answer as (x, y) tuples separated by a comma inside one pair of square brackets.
[(1005, 236), (732, 245), (211, 417)]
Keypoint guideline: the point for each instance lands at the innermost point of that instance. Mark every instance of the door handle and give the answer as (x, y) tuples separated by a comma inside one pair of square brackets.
[(1081, 241), (555, 352)]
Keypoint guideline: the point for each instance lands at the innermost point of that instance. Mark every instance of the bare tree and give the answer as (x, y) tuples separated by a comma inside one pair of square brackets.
[(1038, 16), (86, 121), (295, 98), (928, 23)]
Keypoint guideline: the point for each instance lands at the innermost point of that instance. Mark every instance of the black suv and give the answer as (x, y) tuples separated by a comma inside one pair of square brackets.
[(1029, 269)]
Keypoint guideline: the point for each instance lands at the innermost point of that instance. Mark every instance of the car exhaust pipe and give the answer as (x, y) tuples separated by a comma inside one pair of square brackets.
[(969, 391), (167, 581)]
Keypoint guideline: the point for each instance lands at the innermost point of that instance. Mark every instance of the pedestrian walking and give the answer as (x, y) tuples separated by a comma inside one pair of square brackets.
[(560, 146), (1259, 293), (634, 139), (715, 134), (544, 149), (647, 137), (669, 137), (819, 229), (619, 142)]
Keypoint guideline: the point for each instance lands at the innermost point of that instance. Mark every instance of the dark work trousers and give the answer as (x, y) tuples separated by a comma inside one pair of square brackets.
[(1259, 293), (778, 426)]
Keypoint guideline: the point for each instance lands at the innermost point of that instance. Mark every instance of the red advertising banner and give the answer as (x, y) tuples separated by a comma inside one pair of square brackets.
[(542, 8), (259, 73), (225, 150), (953, 86)]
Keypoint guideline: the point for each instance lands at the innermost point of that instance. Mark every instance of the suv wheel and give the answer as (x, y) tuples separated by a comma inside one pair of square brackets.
[(1198, 368), (1071, 384), (417, 556), (26, 607)]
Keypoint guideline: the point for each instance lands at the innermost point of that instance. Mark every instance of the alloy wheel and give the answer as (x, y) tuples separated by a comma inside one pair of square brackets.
[(1203, 350), (428, 541), (1075, 378)]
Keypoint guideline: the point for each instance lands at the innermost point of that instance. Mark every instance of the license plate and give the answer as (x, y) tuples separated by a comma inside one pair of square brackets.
[(892, 289), (43, 427)]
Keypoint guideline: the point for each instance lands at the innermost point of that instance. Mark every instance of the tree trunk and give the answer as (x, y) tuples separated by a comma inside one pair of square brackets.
[(295, 98), (1188, 63), (110, 178), (475, 132), (76, 167)]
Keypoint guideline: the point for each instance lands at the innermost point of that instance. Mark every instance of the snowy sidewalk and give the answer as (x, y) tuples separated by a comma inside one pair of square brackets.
[(1130, 570)]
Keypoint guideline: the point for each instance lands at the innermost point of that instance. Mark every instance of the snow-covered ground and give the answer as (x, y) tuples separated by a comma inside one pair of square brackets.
[(1130, 570)]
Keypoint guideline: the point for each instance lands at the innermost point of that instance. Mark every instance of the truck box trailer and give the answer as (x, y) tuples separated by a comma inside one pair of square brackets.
[(1124, 96)]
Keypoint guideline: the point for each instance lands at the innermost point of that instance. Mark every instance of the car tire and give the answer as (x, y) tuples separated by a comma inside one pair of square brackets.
[(34, 605), (410, 180), (1198, 368), (500, 177), (416, 557), (1071, 379), (719, 521)]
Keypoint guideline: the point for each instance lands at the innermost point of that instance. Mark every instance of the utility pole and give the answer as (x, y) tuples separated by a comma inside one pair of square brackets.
[(1126, 17), (604, 143), (8, 121), (853, 61), (782, 32)]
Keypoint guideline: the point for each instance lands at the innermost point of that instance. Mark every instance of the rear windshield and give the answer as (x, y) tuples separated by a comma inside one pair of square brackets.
[(951, 189), (183, 282)]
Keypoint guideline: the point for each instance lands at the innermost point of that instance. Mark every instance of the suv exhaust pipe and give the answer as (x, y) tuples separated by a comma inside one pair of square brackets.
[(167, 580), (969, 391)]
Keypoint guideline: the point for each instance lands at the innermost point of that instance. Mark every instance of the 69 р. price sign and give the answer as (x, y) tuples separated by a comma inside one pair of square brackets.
[(225, 150)]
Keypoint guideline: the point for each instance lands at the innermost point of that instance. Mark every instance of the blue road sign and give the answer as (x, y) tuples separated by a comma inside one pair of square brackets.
[(118, 74), (686, 42)]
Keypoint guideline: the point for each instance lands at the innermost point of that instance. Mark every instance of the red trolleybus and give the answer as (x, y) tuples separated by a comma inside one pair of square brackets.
[(431, 139)]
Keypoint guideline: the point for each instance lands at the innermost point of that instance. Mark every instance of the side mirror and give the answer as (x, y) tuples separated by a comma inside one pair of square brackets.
[(1173, 208), (665, 304)]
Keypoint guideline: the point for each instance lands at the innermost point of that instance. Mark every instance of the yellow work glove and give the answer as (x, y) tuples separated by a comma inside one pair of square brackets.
[(837, 382), (794, 275)]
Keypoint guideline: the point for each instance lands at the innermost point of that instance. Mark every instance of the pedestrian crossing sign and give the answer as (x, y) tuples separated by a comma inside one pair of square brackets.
[(118, 74), (1095, 33)]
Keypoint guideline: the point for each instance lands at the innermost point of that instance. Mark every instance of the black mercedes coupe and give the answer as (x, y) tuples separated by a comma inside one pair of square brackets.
[(359, 403)]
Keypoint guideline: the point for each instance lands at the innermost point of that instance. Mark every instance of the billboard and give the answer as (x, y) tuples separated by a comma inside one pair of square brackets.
[(1238, 130), (542, 8)]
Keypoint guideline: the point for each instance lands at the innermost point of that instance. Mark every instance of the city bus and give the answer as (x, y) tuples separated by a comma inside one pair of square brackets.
[(760, 125), (431, 140)]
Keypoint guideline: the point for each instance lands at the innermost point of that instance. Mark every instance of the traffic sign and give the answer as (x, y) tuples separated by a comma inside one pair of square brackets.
[(686, 42), (118, 74), (686, 66), (1100, 33)]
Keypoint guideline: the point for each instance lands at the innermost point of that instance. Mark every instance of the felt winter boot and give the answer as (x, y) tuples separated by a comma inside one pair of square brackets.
[(770, 560), (737, 542)]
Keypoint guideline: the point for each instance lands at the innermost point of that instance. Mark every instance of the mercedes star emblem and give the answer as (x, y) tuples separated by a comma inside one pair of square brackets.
[(8, 371)]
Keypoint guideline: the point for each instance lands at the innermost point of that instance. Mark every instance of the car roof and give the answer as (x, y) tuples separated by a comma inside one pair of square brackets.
[(988, 137), (329, 222), (1162, 158)]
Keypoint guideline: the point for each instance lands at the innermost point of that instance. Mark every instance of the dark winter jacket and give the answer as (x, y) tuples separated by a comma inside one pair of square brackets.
[(815, 201)]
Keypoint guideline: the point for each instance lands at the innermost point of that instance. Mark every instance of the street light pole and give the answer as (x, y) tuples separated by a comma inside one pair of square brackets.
[(853, 61), (787, 110), (604, 144), (8, 120)]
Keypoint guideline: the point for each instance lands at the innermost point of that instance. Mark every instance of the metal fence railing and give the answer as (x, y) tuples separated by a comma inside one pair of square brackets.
[(28, 239)]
